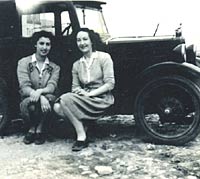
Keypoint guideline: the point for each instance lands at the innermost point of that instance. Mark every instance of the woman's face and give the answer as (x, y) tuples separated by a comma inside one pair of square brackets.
[(84, 42), (43, 46)]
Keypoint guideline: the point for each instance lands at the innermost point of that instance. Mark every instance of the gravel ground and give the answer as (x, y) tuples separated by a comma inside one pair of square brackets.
[(115, 152)]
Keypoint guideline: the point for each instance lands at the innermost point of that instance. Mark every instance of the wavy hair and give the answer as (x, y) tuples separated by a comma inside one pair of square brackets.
[(95, 38), (37, 35)]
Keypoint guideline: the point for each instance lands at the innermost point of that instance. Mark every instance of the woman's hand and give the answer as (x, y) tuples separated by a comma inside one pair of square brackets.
[(35, 95), (81, 92), (45, 105)]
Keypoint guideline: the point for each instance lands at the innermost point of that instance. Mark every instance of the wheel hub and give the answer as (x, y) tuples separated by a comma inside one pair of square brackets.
[(167, 111), (171, 109)]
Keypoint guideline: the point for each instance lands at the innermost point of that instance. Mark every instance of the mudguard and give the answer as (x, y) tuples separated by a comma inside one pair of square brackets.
[(185, 69)]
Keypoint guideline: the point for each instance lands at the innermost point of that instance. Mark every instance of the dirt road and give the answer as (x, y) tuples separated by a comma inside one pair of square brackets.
[(115, 152)]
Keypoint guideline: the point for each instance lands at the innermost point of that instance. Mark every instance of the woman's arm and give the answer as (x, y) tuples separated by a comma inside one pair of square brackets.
[(108, 76), (23, 77), (102, 89), (76, 84)]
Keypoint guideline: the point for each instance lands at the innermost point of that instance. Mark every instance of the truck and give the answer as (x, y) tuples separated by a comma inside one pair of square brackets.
[(157, 79)]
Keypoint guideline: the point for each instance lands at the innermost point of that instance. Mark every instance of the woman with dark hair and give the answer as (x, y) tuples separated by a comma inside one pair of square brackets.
[(92, 82), (38, 78)]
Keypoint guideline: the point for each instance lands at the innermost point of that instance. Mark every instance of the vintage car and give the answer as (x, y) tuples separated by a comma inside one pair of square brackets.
[(157, 80)]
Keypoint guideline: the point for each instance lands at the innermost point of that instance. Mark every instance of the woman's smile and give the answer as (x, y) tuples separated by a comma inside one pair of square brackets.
[(83, 42), (43, 46)]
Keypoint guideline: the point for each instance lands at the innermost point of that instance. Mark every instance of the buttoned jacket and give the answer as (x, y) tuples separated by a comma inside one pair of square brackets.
[(29, 76), (100, 71)]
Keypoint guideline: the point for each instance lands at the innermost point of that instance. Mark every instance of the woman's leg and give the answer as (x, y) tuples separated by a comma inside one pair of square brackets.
[(78, 125), (47, 118), (40, 136), (66, 106), (81, 141), (58, 110), (40, 126), (30, 136), (32, 111)]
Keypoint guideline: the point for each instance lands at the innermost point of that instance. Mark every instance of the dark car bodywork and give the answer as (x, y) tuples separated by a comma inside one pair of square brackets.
[(137, 60)]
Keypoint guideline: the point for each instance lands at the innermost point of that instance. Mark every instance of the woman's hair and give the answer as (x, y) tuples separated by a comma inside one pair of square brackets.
[(95, 38), (37, 35)]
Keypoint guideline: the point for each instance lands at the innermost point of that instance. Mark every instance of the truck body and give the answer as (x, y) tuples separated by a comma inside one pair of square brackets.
[(155, 75)]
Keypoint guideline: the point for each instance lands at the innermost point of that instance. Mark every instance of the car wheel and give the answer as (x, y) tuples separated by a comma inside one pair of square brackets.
[(167, 110)]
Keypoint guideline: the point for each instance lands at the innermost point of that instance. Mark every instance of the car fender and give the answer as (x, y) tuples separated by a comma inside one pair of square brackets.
[(191, 54), (185, 69)]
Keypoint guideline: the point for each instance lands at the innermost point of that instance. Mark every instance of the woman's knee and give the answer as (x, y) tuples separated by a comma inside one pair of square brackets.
[(32, 108), (67, 99), (57, 107)]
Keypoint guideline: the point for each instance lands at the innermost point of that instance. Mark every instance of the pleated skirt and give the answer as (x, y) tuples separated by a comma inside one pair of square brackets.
[(82, 107)]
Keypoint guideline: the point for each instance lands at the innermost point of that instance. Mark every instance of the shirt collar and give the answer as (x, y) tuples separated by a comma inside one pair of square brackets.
[(34, 59), (93, 56)]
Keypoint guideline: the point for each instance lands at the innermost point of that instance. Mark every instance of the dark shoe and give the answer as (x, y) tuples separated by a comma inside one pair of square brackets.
[(29, 138), (39, 139), (79, 145)]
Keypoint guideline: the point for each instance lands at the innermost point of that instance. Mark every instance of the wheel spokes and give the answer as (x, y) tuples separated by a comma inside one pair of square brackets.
[(168, 115)]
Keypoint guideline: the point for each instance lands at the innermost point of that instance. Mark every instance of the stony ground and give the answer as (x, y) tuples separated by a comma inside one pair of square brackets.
[(115, 152)]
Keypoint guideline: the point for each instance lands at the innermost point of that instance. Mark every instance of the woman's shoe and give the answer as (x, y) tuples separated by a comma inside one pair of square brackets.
[(79, 145), (29, 138), (39, 138)]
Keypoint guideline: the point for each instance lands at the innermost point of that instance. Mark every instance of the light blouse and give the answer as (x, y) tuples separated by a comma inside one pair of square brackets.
[(92, 75)]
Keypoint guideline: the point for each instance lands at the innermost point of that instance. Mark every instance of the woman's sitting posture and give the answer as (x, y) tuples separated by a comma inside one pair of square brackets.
[(92, 82), (38, 78)]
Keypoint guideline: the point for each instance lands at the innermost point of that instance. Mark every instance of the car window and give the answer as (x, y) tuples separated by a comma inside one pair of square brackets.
[(66, 23), (93, 19), (35, 22)]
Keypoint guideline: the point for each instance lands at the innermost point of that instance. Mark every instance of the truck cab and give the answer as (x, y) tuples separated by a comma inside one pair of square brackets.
[(157, 80), (19, 20)]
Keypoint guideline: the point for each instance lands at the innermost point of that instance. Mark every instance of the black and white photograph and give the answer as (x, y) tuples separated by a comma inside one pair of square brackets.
[(99, 89)]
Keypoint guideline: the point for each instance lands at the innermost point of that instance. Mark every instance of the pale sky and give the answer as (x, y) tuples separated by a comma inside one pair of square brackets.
[(140, 17)]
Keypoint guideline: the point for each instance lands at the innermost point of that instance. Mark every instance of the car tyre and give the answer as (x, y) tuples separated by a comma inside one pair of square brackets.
[(167, 110)]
